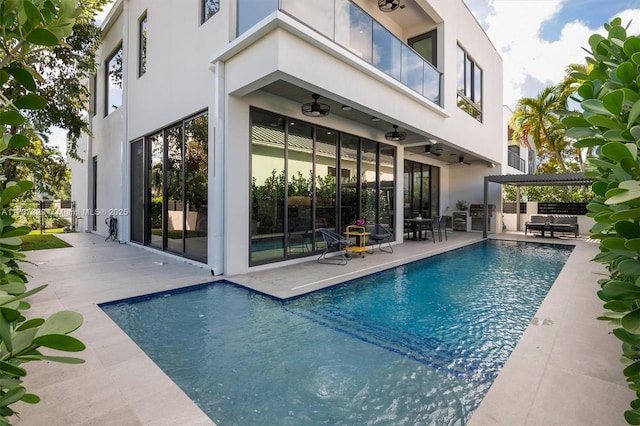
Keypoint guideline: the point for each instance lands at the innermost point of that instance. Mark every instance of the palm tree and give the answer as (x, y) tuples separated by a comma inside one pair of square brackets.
[(536, 120)]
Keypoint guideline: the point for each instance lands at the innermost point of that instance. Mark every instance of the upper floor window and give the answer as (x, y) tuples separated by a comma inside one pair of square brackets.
[(469, 85), (92, 94), (142, 45), (209, 8), (427, 46), (113, 81)]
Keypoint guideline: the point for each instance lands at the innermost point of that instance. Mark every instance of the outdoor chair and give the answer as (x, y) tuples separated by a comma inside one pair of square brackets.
[(378, 234), (437, 225), (442, 222), (334, 242)]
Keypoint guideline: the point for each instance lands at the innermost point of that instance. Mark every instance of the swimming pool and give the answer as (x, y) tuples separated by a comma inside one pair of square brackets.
[(416, 344)]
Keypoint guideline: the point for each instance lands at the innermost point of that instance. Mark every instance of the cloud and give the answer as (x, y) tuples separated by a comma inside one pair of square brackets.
[(529, 62)]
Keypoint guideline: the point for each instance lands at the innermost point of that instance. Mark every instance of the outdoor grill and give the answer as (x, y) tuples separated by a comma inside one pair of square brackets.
[(476, 212)]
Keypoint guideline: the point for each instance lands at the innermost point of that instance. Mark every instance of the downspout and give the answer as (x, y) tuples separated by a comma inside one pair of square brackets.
[(216, 222)]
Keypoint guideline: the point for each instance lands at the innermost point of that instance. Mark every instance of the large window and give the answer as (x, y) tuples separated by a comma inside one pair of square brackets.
[(169, 188), (306, 177), (113, 81), (421, 190), (142, 45), (209, 8), (469, 85)]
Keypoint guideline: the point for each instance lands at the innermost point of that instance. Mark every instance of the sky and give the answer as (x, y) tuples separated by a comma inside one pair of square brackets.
[(535, 51)]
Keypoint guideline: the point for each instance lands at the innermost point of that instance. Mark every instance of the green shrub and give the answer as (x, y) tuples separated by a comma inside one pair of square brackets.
[(25, 26), (609, 97)]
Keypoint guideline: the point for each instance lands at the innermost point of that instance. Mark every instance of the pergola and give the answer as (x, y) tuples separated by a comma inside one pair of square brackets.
[(561, 179)]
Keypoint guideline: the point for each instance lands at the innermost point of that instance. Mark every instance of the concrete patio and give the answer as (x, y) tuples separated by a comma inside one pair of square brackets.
[(564, 371)]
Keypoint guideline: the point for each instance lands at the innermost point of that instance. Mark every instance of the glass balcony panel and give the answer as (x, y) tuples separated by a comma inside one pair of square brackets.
[(318, 14), (250, 12), (431, 89), (412, 69), (386, 51), (354, 30), (345, 23)]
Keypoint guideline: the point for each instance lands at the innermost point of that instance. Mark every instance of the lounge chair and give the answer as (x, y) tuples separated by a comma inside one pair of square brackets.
[(334, 242), (378, 234)]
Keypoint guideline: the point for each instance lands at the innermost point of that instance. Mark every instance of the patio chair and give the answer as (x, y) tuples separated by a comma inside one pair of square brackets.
[(378, 234), (443, 227), (334, 242), (438, 224)]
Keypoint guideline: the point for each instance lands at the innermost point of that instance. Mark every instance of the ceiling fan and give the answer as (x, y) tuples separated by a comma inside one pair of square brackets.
[(433, 149), (461, 160)]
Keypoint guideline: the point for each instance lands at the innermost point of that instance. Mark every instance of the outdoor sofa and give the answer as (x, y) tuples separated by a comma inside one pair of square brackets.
[(553, 225)]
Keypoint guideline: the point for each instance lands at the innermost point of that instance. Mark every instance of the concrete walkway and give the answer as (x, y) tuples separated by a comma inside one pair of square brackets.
[(564, 371)]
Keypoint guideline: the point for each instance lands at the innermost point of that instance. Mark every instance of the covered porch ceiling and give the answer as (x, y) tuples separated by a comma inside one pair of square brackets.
[(415, 143)]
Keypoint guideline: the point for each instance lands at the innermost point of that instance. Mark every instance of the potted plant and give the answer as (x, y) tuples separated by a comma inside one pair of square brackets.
[(461, 205)]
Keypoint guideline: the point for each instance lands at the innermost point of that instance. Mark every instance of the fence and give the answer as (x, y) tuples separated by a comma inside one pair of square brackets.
[(575, 209), (43, 214)]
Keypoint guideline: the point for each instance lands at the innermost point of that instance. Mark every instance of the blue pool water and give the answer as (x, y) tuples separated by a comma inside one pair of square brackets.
[(417, 344)]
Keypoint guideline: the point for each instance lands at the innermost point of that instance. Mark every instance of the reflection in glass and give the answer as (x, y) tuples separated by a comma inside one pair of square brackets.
[(407, 189), (386, 51), (477, 85), (326, 179), (267, 186), (299, 188), (250, 12), (349, 181), (369, 182), (318, 14), (174, 205), (434, 174), (412, 68), (423, 197), (196, 160), (357, 34), (460, 70), (209, 8), (113, 100), (417, 191), (431, 89), (387, 185), (156, 177), (142, 45), (137, 191)]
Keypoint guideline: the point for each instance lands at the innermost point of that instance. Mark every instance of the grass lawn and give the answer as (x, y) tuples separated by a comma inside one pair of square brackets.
[(35, 241)]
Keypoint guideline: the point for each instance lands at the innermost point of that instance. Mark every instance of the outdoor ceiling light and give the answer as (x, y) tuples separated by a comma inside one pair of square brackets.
[(388, 5), (346, 108), (315, 108), (395, 135)]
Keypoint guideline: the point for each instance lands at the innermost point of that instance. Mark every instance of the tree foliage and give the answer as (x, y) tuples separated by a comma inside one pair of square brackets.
[(609, 95), (536, 123), (27, 29)]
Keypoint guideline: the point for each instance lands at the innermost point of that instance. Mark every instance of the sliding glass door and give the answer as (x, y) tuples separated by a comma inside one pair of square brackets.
[(169, 189), (306, 177)]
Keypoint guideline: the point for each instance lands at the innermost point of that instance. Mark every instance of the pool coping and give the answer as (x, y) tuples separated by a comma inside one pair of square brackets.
[(545, 381)]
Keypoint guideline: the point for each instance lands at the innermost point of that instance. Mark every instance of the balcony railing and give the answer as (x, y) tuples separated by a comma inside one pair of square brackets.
[(345, 23), (516, 161)]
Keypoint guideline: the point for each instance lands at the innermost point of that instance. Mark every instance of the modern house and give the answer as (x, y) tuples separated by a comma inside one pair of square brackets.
[(229, 132)]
